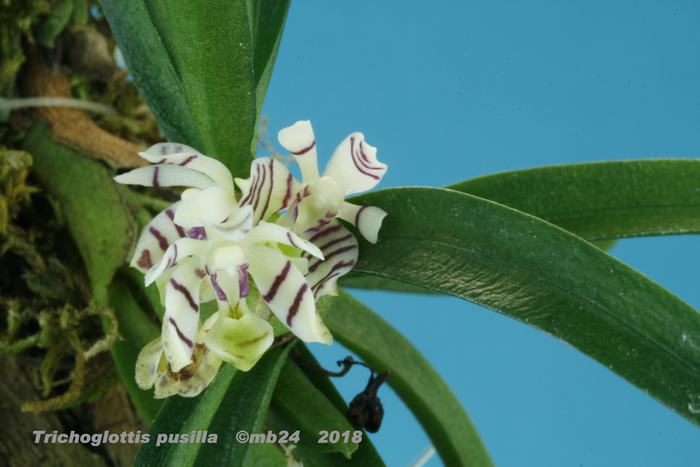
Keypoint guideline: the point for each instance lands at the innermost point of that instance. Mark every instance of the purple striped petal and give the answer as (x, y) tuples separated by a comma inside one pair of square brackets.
[(155, 239), (367, 219), (185, 156), (269, 189), (340, 252), (165, 175), (287, 293), (354, 165), (181, 318), (182, 248), (299, 139)]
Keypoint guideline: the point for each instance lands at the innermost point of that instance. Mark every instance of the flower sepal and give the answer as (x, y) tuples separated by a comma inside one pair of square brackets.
[(153, 370)]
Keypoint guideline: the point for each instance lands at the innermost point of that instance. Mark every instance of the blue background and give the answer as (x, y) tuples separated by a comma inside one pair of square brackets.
[(453, 90)]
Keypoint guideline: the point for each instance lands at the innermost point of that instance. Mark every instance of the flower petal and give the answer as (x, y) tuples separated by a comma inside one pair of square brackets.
[(240, 341), (269, 189), (165, 175), (179, 250), (340, 249), (367, 219), (299, 139), (185, 156), (147, 364), (235, 228), (355, 166), (182, 313), (267, 232), (155, 239), (287, 293), (210, 206)]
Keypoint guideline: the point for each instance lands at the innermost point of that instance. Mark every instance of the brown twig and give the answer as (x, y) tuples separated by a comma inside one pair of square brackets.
[(71, 126)]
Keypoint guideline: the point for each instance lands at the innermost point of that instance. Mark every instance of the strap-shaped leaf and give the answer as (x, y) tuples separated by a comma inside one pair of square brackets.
[(97, 217), (412, 377), (193, 62), (597, 201), (244, 407), (267, 19), (299, 404), (298, 399), (358, 281), (184, 415), (152, 69), (537, 273), (602, 200)]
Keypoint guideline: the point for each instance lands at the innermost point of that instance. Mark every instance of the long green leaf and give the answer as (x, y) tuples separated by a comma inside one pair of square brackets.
[(535, 272), (299, 404), (598, 201), (267, 23), (193, 62), (412, 377), (150, 66), (184, 415), (244, 407), (357, 281), (297, 398), (309, 454), (97, 217), (234, 401), (603, 200)]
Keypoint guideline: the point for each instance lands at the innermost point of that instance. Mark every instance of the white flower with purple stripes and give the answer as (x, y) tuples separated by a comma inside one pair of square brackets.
[(283, 234), (319, 201), (205, 246), (223, 260)]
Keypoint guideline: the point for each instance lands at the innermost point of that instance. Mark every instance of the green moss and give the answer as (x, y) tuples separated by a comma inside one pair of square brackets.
[(45, 312)]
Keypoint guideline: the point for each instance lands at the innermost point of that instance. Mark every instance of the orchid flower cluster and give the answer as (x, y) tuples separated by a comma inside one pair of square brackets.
[(264, 248)]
